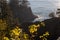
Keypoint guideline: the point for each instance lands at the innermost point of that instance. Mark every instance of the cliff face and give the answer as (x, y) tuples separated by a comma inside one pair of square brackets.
[(22, 12)]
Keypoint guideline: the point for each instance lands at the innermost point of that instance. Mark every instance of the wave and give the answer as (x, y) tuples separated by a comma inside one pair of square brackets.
[(41, 18)]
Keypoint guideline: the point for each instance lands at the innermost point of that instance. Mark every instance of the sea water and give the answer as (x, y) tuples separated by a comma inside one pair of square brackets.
[(42, 8)]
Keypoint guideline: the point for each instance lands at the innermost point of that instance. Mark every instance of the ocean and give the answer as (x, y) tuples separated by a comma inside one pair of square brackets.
[(43, 8)]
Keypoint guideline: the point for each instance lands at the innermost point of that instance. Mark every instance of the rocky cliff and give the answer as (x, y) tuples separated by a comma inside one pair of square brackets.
[(22, 12)]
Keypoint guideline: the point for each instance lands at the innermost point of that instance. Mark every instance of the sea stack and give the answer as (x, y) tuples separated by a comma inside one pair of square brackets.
[(22, 11), (58, 12)]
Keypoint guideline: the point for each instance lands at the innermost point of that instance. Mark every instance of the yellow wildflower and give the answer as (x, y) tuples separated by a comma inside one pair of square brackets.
[(14, 38), (33, 28), (6, 38), (41, 36), (45, 35), (16, 31), (42, 23), (44, 38), (26, 36), (32, 31)]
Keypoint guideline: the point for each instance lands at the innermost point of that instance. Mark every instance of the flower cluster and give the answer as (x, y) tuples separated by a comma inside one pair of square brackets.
[(18, 33), (44, 36), (26, 36), (15, 31), (14, 34), (33, 28), (5, 38)]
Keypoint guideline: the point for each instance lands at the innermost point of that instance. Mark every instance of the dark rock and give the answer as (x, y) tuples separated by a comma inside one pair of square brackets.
[(23, 13)]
